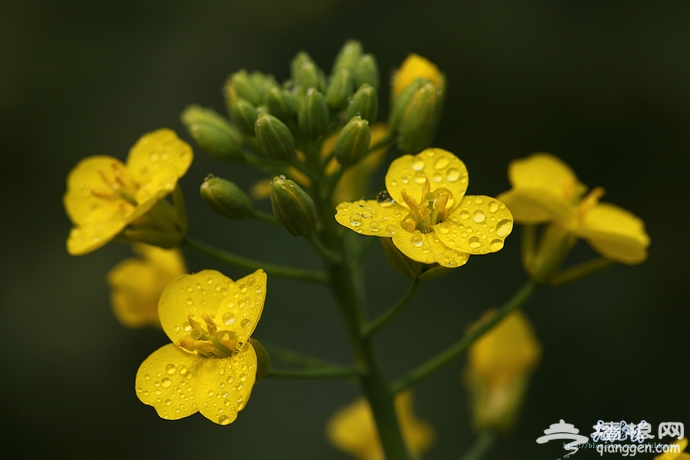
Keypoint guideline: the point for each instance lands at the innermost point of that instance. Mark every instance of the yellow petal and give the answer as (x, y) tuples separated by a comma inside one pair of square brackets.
[(412, 68), (537, 206), (224, 385), (370, 217), (427, 248), (477, 226), (543, 170), (156, 162), (443, 169), (241, 309), (85, 178), (99, 227), (167, 380), (507, 351), (200, 293), (615, 233), (137, 284), (682, 444)]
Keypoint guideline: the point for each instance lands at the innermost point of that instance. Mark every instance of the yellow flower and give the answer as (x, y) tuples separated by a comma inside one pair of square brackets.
[(137, 283), (412, 68), (546, 190), (352, 429), (679, 455), (427, 214), (499, 366), (104, 196), (210, 367)]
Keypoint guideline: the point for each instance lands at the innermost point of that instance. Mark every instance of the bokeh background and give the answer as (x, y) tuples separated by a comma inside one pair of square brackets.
[(604, 85)]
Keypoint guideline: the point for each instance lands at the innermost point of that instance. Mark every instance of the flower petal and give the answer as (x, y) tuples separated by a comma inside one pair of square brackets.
[(615, 233), (167, 380), (137, 284), (371, 217), (241, 308), (197, 294), (224, 385), (99, 227), (543, 170), (537, 206), (477, 226), (412, 68), (427, 248), (443, 169), (156, 162)]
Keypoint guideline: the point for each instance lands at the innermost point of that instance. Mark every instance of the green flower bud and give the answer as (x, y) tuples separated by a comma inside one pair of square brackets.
[(244, 114), (364, 103), (226, 198), (274, 138), (263, 361), (313, 115), (293, 207), (262, 83), (241, 85), (348, 56), (280, 103), (214, 134), (367, 71), (305, 72), (353, 141), (401, 102), (419, 118), (340, 89)]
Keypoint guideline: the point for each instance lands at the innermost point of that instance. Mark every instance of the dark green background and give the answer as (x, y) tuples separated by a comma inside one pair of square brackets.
[(604, 85)]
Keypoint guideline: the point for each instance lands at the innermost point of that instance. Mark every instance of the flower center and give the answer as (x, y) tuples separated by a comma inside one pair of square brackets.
[(209, 342), (119, 187), (431, 209), (589, 201)]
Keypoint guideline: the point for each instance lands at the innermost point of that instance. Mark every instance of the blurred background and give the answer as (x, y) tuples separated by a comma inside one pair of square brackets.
[(603, 85)]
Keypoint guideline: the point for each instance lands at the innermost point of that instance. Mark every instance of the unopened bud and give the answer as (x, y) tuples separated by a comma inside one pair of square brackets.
[(313, 113), (348, 56), (240, 84), (367, 71), (305, 72), (274, 137), (420, 118), (214, 134), (226, 198), (364, 103), (279, 103), (293, 207), (245, 115), (340, 89), (353, 141), (263, 360)]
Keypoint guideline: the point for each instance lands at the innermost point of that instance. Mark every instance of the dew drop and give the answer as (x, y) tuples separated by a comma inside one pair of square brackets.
[(418, 165), (394, 183), (243, 288), (170, 369), (355, 220), (390, 228), (478, 217), (229, 379), (243, 377), (168, 402), (478, 200), (224, 420), (417, 241), (496, 245), (493, 206), (504, 227), (437, 177), (245, 323), (374, 226), (189, 301), (474, 242), (240, 386), (464, 214), (441, 163), (166, 382), (211, 393), (453, 174), (228, 318), (384, 199)]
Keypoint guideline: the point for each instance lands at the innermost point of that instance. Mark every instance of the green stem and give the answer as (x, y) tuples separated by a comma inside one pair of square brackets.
[(314, 373), (481, 446), (455, 350), (323, 251), (578, 272), (252, 264), (264, 217), (296, 357), (392, 312)]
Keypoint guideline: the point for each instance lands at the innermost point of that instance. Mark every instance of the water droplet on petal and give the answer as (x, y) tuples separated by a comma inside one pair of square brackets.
[(243, 287), (228, 318), (474, 242), (166, 382), (437, 177), (390, 228), (355, 220), (418, 165), (464, 214), (374, 226), (417, 241), (496, 245), (420, 179), (453, 174), (478, 217), (478, 200), (243, 377), (245, 323), (441, 163), (493, 206), (189, 301), (224, 420), (170, 369), (504, 227)]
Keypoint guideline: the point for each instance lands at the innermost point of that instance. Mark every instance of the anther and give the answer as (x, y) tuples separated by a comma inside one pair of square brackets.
[(409, 200), (211, 325)]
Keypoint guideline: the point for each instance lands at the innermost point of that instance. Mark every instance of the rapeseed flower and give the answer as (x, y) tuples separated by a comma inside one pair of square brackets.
[(680, 455), (352, 429), (104, 196), (413, 68), (546, 190), (137, 283), (209, 367), (426, 213)]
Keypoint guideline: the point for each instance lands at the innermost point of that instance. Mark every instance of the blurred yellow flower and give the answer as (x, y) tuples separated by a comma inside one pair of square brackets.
[(137, 283), (211, 367), (412, 68), (104, 196), (680, 455), (499, 366), (546, 190), (352, 429), (444, 226)]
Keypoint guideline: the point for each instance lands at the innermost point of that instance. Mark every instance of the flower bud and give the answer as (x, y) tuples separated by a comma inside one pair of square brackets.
[(305, 72), (274, 138), (340, 89), (245, 115), (367, 71), (313, 113), (348, 56), (280, 104), (419, 118), (293, 207), (263, 361), (364, 103), (214, 134), (226, 198), (413, 68), (240, 85), (353, 141)]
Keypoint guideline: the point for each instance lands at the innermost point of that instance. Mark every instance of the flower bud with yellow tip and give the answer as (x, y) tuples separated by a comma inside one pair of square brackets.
[(413, 68), (419, 117)]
